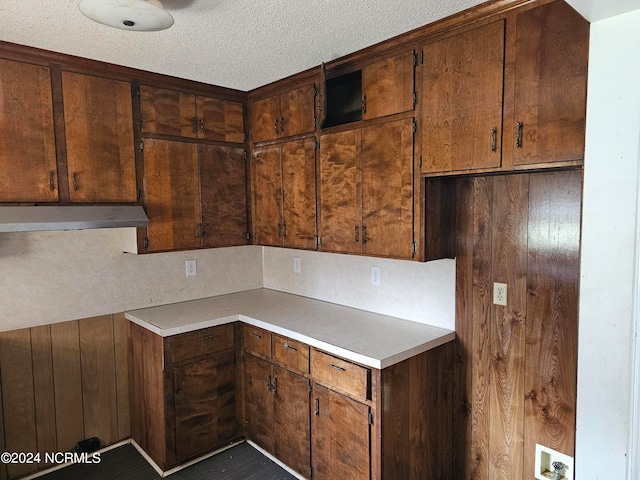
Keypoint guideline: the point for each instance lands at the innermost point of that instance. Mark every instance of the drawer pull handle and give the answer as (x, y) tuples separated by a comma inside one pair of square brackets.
[(290, 348), (206, 337), (336, 367), (255, 335)]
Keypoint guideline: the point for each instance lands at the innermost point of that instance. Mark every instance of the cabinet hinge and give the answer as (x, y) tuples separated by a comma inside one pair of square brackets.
[(244, 137), (315, 90), (370, 418), (138, 193), (311, 473), (310, 388), (415, 99), (142, 145), (140, 124), (415, 126), (415, 59), (248, 236), (318, 241), (422, 57), (317, 144), (245, 154), (420, 162), (315, 123), (145, 242), (414, 248), (135, 91)]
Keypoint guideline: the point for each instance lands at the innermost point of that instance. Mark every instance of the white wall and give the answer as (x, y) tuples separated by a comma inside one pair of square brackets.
[(607, 320), (49, 277), (421, 292)]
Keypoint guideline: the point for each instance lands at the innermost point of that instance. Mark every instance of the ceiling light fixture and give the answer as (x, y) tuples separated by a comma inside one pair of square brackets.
[(139, 15)]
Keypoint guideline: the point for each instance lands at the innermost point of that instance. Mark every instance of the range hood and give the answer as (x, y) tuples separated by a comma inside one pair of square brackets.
[(70, 217)]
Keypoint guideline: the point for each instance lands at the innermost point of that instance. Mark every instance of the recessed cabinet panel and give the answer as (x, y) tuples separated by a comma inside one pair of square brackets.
[(28, 171), (552, 52), (388, 86), (167, 112), (99, 139), (219, 120), (258, 402), (462, 92), (267, 195)]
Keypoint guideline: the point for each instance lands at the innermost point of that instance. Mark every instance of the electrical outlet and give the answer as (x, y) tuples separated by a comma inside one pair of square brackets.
[(375, 275), (191, 268), (296, 264), (500, 293)]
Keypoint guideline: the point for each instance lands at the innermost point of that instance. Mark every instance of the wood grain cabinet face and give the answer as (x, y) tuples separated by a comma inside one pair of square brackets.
[(366, 190), (388, 86), (170, 112), (98, 123), (284, 194), (28, 171), (284, 115)]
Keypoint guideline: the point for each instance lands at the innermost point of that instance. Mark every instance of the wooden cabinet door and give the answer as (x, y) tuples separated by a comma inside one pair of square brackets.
[(167, 112), (205, 405), (28, 171), (388, 86), (299, 190), (172, 196), (462, 107), (219, 120), (291, 429), (98, 123), (387, 189), (265, 119), (267, 195), (340, 437), (297, 111), (340, 191), (552, 49), (223, 195), (258, 402)]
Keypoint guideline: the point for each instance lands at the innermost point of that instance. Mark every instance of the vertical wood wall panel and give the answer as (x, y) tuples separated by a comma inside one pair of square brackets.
[(97, 360), (121, 338)]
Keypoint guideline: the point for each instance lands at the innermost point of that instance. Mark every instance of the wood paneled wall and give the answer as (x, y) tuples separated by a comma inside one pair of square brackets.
[(63, 383), (516, 366)]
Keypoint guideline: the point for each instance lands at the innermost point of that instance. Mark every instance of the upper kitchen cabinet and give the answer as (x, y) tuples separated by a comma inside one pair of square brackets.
[(28, 171), (174, 113), (284, 194), (382, 88), (528, 68), (98, 123), (284, 115), (366, 190), (462, 91), (552, 52)]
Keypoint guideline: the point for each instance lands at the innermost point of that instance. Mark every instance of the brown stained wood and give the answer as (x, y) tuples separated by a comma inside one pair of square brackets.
[(99, 139), (340, 436), (67, 383), (299, 193), (291, 427), (99, 396), (167, 112), (396, 423), (292, 354), (257, 340), (297, 111), (219, 119), (388, 86), (462, 92), (387, 189), (28, 171), (223, 195), (266, 170), (552, 45), (258, 402), (3, 467), (552, 312), (340, 198), (121, 339), (43, 390), (440, 217), (509, 266), (265, 117), (172, 193), (343, 376), (197, 343), (18, 400), (146, 393), (205, 409)]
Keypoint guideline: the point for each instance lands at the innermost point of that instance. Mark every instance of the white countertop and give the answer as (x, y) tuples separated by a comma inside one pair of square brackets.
[(371, 339)]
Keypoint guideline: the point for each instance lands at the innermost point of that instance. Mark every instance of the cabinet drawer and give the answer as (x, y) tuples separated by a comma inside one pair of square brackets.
[(257, 340), (340, 375), (202, 342), (290, 353)]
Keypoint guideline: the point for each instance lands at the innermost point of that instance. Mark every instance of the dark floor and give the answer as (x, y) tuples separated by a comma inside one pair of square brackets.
[(241, 462)]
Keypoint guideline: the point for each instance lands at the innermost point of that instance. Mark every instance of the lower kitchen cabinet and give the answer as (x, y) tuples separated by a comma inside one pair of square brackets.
[(183, 393)]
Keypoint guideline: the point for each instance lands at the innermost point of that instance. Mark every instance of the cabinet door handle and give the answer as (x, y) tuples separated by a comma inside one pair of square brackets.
[(282, 124), (275, 385), (519, 135), (52, 185), (279, 230), (337, 367), (290, 348), (194, 125), (317, 407), (357, 232), (255, 335), (268, 383), (364, 234), (493, 139), (75, 181), (364, 104), (202, 125), (179, 388), (206, 337), (275, 126)]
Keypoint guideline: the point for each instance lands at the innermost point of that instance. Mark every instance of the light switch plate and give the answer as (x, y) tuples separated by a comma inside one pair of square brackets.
[(375, 275), (296, 264), (191, 268)]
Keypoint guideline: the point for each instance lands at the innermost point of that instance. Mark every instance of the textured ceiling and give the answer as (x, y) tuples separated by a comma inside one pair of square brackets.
[(239, 44)]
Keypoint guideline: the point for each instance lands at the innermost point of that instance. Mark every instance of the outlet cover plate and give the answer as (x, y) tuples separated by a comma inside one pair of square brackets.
[(500, 294)]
